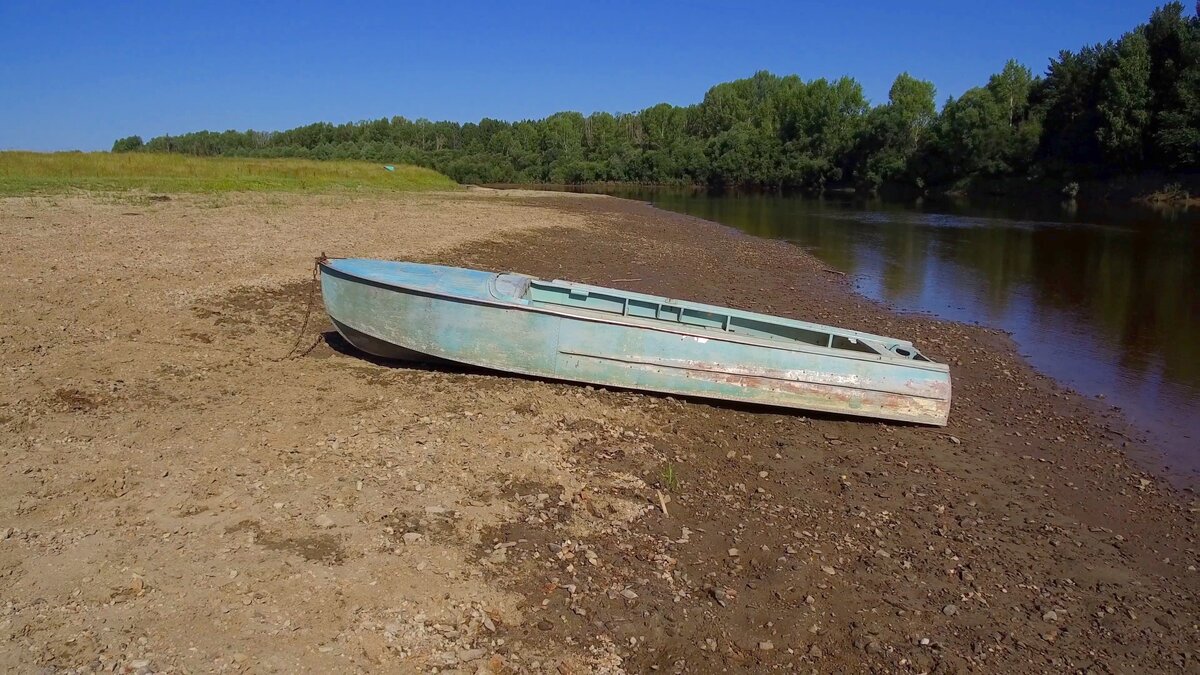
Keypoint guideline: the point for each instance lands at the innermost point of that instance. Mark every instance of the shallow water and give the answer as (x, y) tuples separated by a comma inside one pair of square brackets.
[(1107, 300)]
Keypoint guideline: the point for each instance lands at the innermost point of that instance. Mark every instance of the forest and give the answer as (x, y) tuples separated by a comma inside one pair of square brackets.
[(1125, 107)]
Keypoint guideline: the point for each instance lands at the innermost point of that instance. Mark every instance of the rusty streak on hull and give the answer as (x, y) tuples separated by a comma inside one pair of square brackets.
[(932, 401)]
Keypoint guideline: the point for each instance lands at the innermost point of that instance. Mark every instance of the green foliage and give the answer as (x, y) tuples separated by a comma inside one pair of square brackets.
[(1114, 108), (1125, 102), (1174, 45), (988, 131), (669, 478), (128, 144), (32, 172), (894, 134), (1126, 106)]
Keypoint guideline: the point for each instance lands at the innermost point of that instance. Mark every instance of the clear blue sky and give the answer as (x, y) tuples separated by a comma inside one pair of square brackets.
[(77, 75)]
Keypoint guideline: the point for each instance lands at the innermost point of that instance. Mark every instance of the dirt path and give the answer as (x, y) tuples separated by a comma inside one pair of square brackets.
[(177, 499)]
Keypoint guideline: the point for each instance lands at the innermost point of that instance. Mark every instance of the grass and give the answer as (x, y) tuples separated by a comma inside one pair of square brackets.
[(669, 479), (24, 173)]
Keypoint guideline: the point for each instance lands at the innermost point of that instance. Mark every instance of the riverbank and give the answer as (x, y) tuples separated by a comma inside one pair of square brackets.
[(183, 497), (1157, 191), (981, 538)]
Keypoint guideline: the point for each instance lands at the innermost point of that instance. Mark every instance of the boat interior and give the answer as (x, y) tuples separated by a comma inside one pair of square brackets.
[(551, 293)]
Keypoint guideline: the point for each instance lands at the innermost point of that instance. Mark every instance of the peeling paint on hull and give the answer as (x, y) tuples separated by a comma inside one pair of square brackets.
[(457, 315)]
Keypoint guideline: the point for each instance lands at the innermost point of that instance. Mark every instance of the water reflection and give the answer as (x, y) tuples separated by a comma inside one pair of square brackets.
[(1107, 301)]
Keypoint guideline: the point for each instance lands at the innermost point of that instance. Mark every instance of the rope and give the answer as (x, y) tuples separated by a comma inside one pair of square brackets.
[(312, 294)]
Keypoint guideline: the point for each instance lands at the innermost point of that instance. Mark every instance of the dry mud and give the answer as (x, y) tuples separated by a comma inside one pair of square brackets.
[(196, 478)]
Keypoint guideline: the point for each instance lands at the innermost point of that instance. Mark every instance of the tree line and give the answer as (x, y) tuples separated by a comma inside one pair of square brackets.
[(1123, 107)]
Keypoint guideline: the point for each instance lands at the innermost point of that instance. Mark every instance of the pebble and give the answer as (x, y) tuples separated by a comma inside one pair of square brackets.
[(720, 596), (766, 646), (471, 654), (324, 521), (412, 537), (733, 553), (815, 652), (828, 570), (545, 624), (950, 610), (1050, 616)]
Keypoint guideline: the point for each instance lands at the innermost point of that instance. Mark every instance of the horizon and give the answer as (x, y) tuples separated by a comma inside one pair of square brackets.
[(82, 82)]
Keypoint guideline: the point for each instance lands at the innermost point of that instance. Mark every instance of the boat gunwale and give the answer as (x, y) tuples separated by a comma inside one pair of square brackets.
[(636, 322), (772, 318)]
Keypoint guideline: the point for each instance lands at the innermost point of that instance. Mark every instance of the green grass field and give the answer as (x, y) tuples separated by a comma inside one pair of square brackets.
[(23, 173)]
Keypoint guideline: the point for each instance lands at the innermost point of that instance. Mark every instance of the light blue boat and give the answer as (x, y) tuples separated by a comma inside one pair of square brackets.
[(568, 331)]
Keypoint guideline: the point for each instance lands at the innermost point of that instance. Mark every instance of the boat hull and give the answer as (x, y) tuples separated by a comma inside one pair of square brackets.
[(478, 329)]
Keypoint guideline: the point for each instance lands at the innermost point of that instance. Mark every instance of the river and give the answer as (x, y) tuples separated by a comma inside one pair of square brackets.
[(1105, 299)]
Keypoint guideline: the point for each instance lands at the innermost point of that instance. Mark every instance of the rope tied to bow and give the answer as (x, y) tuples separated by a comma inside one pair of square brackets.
[(312, 294)]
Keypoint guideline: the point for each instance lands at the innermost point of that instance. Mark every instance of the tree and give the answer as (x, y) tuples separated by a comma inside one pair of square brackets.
[(1174, 46), (127, 144), (894, 133), (1010, 88), (912, 101), (1124, 102)]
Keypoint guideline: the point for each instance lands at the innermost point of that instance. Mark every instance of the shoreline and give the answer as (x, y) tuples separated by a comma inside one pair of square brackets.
[(179, 492), (1146, 442), (1140, 449), (1152, 192), (1042, 458), (1137, 449)]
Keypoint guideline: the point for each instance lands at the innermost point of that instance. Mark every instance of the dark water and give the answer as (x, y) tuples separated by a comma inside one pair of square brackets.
[(1105, 300)]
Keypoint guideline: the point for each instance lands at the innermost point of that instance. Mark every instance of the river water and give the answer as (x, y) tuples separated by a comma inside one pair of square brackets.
[(1106, 300)]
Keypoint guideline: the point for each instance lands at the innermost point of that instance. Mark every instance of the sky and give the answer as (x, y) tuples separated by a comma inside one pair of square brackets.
[(78, 75)]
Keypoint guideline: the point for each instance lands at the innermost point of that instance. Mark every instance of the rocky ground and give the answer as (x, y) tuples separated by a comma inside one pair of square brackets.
[(185, 491)]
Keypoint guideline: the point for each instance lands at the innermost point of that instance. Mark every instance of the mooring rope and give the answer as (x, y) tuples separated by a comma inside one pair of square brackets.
[(312, 294)]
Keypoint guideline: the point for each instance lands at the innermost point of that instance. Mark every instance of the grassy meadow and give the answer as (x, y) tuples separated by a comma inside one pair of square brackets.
[(23, 173)]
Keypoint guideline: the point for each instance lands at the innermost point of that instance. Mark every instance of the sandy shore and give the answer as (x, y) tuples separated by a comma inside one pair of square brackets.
[(181, 497)]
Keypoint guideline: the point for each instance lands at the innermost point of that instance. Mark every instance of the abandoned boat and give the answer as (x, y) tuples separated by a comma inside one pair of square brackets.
[(602, 336)]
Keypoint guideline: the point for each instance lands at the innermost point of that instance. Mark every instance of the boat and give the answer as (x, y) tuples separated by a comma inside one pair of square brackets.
[(613, 338)]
